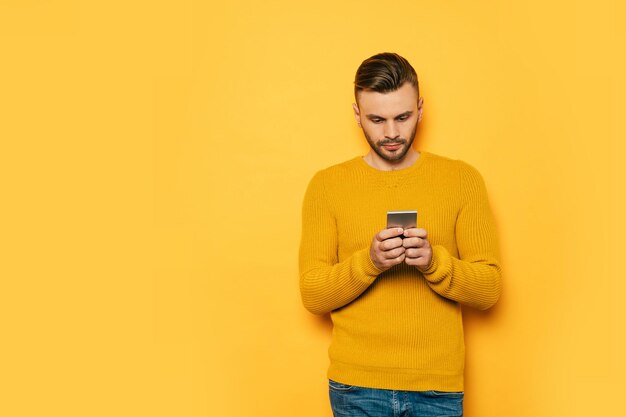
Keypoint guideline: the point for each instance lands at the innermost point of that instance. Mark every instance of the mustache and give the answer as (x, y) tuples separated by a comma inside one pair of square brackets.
[(392, 142)]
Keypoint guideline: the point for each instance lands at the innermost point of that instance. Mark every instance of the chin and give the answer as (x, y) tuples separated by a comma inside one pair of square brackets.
[(395, 157)]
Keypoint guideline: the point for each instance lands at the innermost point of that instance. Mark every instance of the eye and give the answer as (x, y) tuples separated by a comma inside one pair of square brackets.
[(377, 120), (403, 118)]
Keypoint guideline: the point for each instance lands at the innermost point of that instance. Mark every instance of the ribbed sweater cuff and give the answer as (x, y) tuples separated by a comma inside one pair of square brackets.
[(367, 269), (440, 265)]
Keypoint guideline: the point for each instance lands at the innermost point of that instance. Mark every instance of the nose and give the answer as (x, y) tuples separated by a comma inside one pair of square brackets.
[(391, 130)]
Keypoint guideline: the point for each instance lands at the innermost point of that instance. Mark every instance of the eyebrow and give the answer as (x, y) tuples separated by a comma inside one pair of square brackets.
[(375, 116)]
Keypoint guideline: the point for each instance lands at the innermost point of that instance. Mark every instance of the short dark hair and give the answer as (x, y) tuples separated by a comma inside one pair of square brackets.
[(384, 73)]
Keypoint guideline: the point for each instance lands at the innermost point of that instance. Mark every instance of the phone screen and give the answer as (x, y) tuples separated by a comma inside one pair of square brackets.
[(405, 219)]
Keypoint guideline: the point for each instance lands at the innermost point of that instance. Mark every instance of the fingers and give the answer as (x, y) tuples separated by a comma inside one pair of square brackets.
[(414, 242), (390, 249), (419, 257), (423, 249), (389, 233), (394, 253), (415, 238), (415, 232), (386, 263), (416, 253), (420, 261), (386, 249), (396, 245), (389, 244)]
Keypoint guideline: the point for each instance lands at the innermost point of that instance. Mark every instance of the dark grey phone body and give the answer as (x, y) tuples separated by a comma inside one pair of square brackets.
[(404, 219)]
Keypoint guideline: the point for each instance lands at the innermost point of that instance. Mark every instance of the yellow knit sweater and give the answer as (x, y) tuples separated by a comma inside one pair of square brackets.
[(400, 329)]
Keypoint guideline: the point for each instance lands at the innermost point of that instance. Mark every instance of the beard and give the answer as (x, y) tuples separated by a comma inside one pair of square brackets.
[(394, 156)]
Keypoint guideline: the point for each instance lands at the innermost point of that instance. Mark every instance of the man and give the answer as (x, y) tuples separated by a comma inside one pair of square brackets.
[(395, 295)]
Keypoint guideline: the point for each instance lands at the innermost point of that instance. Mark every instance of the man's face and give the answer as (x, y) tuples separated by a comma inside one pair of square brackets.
[(389, 120)]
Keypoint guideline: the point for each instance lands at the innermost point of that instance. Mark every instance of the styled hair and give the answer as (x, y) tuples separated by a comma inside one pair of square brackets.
[(384, 73)]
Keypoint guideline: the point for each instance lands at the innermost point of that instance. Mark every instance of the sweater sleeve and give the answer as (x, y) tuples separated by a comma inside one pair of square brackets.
[(475, 278), (325, 283)]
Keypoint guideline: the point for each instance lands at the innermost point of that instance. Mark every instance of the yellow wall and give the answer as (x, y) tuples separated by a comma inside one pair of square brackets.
[(153, 159)]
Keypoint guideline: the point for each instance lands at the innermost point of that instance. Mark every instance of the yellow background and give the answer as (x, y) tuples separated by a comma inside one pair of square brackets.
[(153, 160)]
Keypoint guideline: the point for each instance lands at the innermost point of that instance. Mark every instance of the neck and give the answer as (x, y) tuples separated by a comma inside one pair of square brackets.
[(375, 161)]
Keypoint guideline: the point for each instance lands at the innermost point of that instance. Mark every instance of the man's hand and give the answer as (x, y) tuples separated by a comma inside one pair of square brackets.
[(418, 251), (386, 249)]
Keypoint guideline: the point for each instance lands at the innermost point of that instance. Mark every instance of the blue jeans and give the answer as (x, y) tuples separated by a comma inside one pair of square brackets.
[(353, 401)]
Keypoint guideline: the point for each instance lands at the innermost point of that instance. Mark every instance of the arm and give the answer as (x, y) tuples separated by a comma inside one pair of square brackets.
[(475, 278), (325, 283)]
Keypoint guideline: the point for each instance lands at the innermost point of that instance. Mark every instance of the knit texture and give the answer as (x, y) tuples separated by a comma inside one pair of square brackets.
[(400, 329)]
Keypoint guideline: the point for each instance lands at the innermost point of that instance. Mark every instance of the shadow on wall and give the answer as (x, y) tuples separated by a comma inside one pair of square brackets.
[(322, 324), (477, 321)]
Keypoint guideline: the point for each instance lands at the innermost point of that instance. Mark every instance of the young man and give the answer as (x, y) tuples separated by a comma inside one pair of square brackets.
[(395, 295)]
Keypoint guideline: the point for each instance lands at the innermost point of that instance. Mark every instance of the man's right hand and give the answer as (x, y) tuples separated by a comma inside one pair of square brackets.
[(386, 249)]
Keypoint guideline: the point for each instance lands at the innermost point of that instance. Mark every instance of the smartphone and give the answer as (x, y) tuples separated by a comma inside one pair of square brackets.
[(404, 219)]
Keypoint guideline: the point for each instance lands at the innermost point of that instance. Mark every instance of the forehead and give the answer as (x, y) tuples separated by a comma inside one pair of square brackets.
[(392, 103)]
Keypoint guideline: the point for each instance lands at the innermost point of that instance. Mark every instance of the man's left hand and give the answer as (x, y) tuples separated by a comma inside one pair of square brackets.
[(418, 251)]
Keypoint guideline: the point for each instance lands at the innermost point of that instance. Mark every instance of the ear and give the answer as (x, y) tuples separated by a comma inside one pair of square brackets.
[(357, 113), (420, 108)]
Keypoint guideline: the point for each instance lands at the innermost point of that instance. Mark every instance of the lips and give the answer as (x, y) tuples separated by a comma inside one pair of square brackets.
[(392, 146)]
